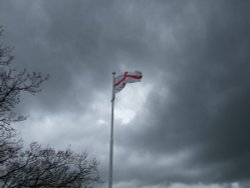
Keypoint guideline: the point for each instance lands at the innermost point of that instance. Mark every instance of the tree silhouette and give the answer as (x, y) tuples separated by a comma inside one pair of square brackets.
[(34, 166)]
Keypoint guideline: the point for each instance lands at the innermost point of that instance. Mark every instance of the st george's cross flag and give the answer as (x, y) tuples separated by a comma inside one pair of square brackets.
[(126, 77)]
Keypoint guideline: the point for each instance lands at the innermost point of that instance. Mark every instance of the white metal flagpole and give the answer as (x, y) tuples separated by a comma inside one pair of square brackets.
[(112, 134)]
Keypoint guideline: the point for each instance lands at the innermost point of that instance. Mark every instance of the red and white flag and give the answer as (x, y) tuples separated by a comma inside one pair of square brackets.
[(126, 77)]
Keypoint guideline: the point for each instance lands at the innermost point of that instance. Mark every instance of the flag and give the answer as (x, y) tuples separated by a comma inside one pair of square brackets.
[(126, 77)]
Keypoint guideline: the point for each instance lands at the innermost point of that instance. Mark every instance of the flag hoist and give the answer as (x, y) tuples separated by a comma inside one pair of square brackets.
[(119, 82)]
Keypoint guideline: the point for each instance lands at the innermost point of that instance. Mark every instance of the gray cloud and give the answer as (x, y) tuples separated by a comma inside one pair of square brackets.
[(207, 108), (192, 127)]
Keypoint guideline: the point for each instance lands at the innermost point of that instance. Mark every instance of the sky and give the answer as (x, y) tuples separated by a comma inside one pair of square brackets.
[(185, 125)]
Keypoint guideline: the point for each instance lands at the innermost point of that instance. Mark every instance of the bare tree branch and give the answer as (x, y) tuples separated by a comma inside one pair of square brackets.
[(36, 166)]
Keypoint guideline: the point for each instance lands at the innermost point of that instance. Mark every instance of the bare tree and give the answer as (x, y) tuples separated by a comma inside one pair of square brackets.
[(10, 145), (12, 83), (38, 167), (35, 166)]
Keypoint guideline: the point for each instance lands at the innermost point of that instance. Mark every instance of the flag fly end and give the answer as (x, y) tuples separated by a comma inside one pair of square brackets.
[(126, 77)]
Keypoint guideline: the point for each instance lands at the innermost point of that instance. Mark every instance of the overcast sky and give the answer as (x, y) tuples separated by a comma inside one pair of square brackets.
[(186, 125)]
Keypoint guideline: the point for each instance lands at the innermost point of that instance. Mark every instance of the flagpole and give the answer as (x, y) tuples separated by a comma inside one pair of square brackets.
[(112, 134)]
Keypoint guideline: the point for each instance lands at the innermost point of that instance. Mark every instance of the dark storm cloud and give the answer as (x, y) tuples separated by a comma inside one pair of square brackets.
[(194, 125), (207, 111), (84, 40)]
